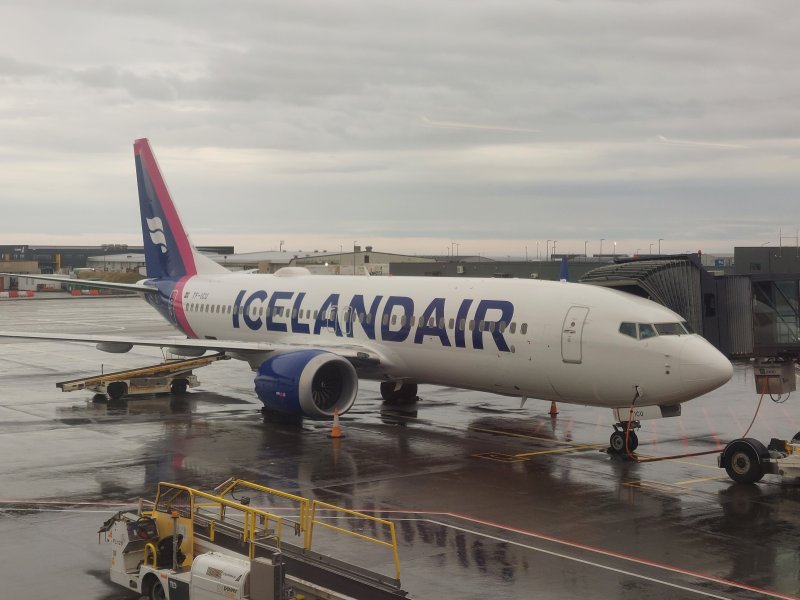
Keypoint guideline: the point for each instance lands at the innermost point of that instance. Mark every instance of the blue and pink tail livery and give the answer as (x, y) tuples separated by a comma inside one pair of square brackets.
[(564, 273), (168, 252)]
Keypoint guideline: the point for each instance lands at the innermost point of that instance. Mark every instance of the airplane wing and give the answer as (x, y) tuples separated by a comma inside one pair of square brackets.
[(127, 287), (353, 352)]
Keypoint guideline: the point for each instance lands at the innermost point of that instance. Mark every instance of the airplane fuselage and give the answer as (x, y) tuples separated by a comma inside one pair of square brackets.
[(525, 338)]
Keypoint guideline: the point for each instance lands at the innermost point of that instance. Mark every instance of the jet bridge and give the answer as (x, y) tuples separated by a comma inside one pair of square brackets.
[(677, 282), (744, 316)]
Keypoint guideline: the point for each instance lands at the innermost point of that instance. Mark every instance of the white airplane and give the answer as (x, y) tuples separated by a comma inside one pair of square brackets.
[(312, 337)]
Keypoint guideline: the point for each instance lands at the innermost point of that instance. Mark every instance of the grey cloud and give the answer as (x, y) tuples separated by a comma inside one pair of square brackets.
[(11, 68), (281, 110)]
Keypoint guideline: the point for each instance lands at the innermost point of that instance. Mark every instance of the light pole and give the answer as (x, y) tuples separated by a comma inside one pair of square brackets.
[(526, 254), (601, 245), (354, 256), (537, 250), (547, 250), (615, 249), (651, 248), (457, 246), (586, 249), (554, 247), (659, 245)]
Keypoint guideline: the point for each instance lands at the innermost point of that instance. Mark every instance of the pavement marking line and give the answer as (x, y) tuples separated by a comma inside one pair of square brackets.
[(518, 435), (540, 536), (60, 510), (526, 546), (582, 561), (620, 556), (695, 464), (660, 486), (700, 480), (591, 549), (654, 457), (500, 457), (559, 450), (30, 502)]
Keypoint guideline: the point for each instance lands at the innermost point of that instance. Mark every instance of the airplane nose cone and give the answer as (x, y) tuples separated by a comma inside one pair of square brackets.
[(702, 367)]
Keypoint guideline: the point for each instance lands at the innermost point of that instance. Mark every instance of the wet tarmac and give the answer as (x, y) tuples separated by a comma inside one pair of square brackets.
[(489, 500)]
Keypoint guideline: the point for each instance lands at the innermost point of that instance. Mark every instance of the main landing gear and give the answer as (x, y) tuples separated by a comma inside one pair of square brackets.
[(398, 394), (617, 441)]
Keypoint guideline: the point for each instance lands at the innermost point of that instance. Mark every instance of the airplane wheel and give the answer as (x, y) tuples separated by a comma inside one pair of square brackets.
[(405, 393), (617, 442), (742, 463)]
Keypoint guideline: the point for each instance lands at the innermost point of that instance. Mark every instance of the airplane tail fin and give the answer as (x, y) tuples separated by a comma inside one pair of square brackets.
[(169, 254)]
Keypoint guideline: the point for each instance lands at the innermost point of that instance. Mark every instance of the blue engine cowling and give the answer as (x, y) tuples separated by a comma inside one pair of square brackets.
[(309, 383)]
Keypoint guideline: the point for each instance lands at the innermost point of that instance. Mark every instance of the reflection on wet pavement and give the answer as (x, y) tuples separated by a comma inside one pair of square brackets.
[(489, 500)]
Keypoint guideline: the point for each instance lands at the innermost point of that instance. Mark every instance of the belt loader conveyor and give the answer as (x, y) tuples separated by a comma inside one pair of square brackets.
[(196, 545), (173, 376)]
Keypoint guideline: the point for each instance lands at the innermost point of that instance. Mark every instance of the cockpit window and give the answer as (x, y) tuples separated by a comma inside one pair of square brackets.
[(643, 331), (646, 331), (687, 327), (670, 329)]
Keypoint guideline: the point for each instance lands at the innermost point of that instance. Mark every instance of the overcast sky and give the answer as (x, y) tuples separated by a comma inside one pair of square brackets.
[(406, 125)]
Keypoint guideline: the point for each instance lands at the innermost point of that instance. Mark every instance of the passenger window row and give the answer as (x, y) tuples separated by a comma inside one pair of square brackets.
[(362, 318)]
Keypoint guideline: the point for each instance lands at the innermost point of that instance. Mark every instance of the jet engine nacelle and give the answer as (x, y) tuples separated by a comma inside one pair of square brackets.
[(309, 383)]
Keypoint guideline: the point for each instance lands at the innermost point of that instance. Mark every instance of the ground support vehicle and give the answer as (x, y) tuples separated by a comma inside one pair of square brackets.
[(194, 545), (173, 376), (747, 460)]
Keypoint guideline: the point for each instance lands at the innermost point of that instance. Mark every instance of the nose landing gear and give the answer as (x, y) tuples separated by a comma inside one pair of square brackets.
[(623, 430), (624, 439)]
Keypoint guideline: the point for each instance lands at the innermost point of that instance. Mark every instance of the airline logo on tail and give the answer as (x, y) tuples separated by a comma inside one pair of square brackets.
[(168, 252), (156, 229)]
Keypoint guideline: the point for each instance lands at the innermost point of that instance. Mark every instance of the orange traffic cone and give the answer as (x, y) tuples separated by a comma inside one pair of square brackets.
[(553, 409), (336, 430)]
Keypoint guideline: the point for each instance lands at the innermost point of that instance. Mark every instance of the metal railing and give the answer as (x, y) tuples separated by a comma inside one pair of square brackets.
[(303, 505), (253, 524), (249, 522), (352, 513)]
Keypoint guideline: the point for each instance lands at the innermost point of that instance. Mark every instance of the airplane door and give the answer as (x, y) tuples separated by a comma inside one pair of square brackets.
[(571, 334), (173, 298), (345, 325), (332, 324)]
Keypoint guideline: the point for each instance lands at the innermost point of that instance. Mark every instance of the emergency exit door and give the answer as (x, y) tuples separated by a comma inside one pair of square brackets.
[(571, 334)]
